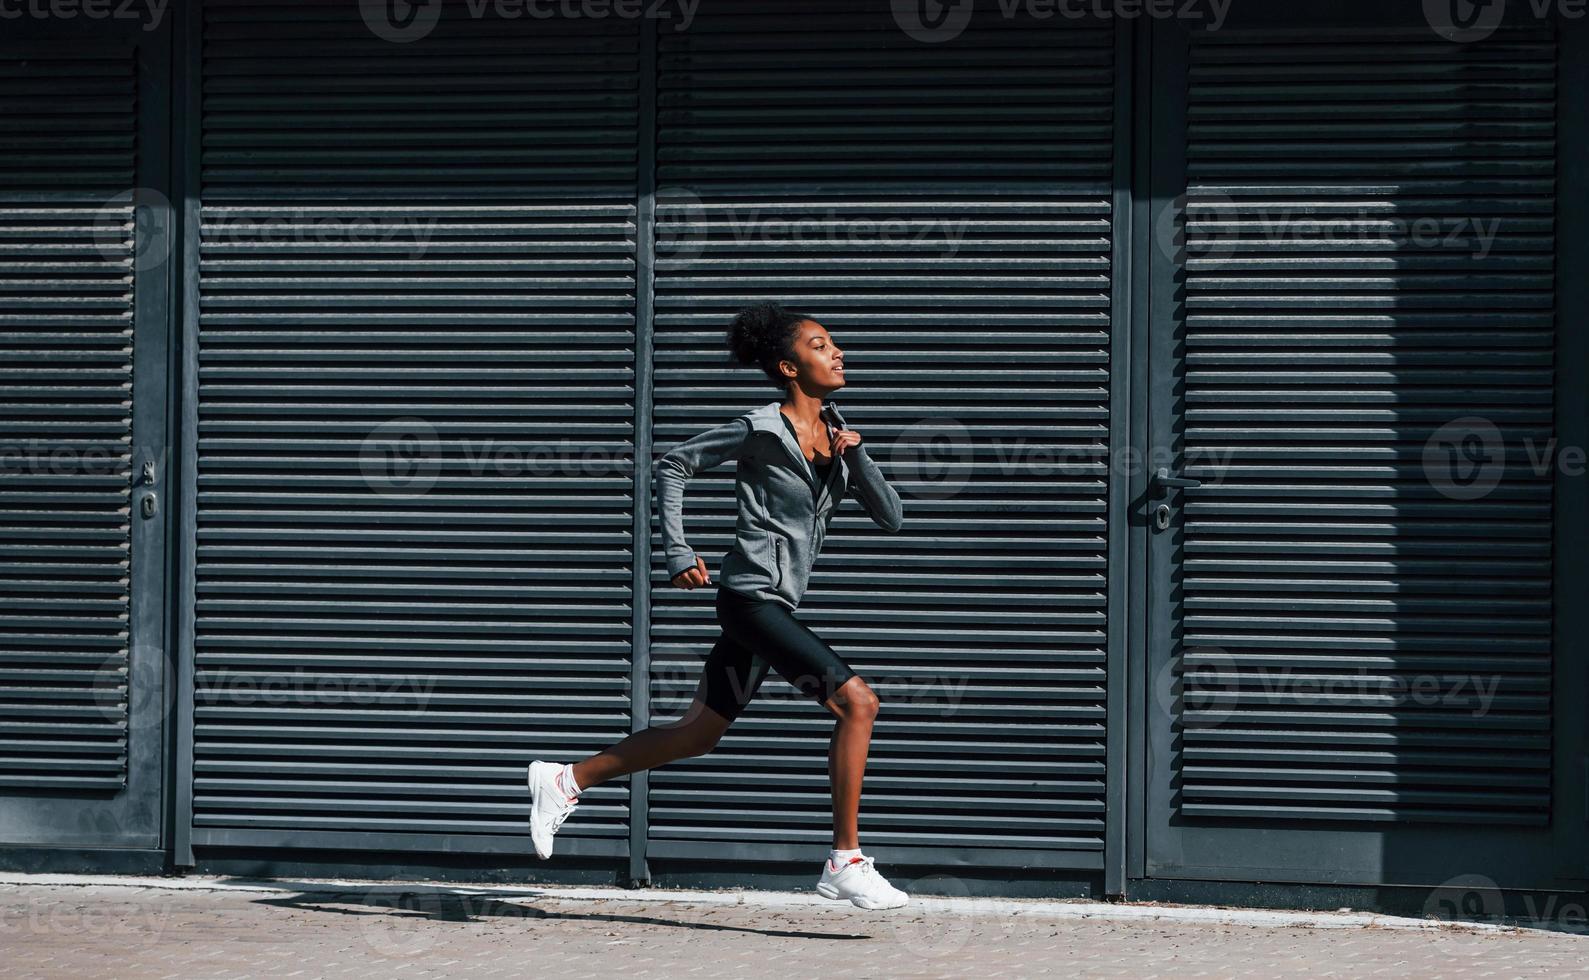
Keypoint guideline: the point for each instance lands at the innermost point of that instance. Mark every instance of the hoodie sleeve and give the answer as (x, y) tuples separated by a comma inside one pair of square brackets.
[(877, 498), (673, 471)]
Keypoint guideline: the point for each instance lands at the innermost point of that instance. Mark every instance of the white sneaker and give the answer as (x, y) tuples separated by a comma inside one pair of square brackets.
[(549, 806), (859, 883)]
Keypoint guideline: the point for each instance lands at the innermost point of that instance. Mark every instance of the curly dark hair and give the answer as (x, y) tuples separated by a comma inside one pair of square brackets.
[(762, 334)]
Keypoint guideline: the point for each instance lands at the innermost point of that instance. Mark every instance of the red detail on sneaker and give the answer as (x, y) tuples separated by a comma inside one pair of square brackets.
[(853, 860)]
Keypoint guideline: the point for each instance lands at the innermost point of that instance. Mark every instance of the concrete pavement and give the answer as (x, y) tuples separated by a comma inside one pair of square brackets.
[(58, 926)]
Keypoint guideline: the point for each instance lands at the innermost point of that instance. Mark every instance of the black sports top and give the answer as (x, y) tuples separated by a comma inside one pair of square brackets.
[(822, 469)]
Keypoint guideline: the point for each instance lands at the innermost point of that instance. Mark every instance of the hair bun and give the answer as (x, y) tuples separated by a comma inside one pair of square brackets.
[(762, 334)]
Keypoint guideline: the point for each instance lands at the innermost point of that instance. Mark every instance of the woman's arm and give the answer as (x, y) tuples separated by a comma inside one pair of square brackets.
[(673, 471), (877, 498)]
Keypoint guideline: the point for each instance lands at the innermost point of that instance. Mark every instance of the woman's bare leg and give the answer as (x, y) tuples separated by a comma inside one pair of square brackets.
[(694, 734), (855, 705)]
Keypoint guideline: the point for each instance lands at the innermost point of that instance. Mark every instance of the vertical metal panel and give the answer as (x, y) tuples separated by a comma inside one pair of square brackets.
[(84, 290), (645, 238), (1326, 347), (1570, 558), (945, 211), (1350, 654), (68, 244), (413, 255), (1123, 351)]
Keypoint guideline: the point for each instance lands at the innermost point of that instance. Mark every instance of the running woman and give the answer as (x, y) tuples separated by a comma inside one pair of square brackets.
[(795, 459)]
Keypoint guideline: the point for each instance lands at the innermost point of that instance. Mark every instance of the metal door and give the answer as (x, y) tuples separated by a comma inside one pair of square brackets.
[(84, 221), (1351, 506)]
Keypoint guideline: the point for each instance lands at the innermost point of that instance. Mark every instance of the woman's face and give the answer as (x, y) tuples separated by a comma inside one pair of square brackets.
[(818, 363)]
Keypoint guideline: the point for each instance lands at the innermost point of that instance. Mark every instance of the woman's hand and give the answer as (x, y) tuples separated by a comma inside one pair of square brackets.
[(843, 439), (692, 577)]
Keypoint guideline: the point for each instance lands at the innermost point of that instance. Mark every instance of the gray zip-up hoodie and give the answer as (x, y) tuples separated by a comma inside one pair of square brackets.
[(781, 523)]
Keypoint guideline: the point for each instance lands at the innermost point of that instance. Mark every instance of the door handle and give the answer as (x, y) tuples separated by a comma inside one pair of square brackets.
[(1163, 483)]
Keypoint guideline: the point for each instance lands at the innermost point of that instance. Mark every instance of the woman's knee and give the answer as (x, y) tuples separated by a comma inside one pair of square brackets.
[(702, 728), (856, 699)]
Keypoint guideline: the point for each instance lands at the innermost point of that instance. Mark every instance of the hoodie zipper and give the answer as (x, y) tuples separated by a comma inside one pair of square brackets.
[(810, 474)]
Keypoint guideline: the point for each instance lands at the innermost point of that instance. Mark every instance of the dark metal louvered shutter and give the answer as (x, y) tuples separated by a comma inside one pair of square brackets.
[(945, 211), (83, 234), (66, 418), (414, 498), (1364, 632)]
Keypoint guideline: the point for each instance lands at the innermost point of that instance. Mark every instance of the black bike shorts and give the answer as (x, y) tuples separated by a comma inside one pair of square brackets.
[(761, 633)]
